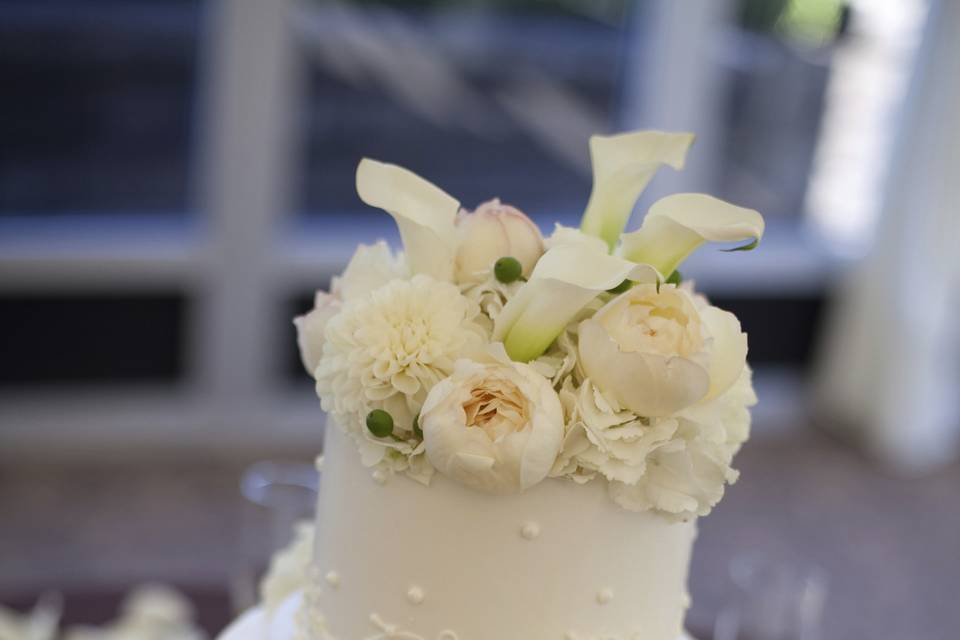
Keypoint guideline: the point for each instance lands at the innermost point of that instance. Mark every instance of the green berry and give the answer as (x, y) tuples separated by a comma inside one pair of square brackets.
[(380, 423), (416, 427), (507, 269), (620, 288), (674, 278)]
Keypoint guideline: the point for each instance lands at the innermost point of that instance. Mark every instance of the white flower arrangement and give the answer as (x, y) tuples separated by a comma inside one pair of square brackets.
[(501, 358)]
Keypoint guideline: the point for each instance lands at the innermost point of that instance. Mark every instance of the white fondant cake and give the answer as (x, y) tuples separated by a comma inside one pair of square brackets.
[(560, 561), (523, 430), (286, 622)]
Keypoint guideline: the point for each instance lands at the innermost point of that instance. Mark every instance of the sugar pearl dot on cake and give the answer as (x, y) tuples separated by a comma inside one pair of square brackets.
[(604, 596), (332, 578), (530, 530), (415, 594)]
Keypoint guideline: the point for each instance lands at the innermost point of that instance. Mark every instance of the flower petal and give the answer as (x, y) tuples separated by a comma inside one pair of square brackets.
[(729, 353), (311, 327), (566, 278), (569, 235), (647, 384), (371, 267), (425, 215), (678, 224), (622, 166)]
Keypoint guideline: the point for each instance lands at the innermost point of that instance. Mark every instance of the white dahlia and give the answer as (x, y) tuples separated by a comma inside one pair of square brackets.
[(371, 267), (387, 349)]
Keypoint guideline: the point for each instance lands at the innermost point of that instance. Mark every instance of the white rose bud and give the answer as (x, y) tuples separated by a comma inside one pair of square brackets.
[(658, 352), (491, 232), (494, 427)]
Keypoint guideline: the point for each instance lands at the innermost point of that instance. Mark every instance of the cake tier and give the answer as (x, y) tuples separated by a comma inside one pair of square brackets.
[(285, 623), (560, 561)]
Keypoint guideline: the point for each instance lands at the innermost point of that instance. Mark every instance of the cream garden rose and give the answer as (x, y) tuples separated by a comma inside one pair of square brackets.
[(655, 352), (493, 231), (494, 427)]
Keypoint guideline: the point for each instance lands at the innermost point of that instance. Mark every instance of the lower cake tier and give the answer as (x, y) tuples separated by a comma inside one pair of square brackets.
[(287, 622), (560, 561)]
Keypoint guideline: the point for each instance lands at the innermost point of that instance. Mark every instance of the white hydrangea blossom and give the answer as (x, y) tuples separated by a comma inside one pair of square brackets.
[(678, 465), (149, 612), (490, 296), (39, 624), (289, 569), (619, 440)]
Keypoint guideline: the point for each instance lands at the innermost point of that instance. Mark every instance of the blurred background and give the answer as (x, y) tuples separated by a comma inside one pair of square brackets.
[(176, 178)]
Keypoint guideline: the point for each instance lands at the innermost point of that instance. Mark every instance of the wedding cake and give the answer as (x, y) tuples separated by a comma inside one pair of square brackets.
[(523, 428)]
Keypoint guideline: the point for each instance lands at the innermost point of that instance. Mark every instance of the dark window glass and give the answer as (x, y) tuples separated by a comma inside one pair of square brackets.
[(98, 98), (469, 98), (498, 99), (292, 367), (73, 338), (782, 330)]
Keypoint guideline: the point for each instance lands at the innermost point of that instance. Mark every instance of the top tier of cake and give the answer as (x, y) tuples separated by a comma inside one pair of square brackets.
[(557, 562)]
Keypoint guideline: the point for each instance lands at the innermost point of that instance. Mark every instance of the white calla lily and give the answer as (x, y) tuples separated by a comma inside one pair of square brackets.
[(676, 225), (564, 281), (622, 166), (425, 214), (569, 235)]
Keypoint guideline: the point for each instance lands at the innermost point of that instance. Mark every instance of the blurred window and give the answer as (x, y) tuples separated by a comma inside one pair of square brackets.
[(98, 99), (66, 337), (491, 100), (486, 99), (498, 99)]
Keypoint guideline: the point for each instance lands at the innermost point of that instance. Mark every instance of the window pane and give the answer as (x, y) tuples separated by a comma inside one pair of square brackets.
[(55, 338), (499, 99), (451, 93), (97, 104), (783, 329)]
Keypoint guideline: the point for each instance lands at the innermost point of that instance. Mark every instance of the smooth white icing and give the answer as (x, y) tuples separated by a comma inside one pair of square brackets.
[(462, 547)]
